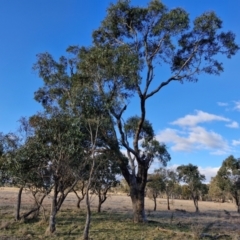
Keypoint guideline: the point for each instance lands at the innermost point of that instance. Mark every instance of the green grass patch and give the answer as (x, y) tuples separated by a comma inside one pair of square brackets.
[(106, 225)]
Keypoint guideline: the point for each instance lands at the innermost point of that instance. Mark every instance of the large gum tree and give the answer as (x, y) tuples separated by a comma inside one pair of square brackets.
[(129, 46)]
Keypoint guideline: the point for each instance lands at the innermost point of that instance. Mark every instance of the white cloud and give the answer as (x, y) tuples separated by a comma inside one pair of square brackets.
[(222, 104), (170, 135), (236, 142), (233, 124), (199, 117), (237, 105), (208, 172), (192, 139), (219, 152)]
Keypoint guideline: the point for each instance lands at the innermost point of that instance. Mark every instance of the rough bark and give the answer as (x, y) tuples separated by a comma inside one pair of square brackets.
[(137, 197), (19, 198)]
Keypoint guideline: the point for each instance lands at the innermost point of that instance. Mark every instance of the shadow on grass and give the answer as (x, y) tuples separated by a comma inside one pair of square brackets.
[(111, 225)]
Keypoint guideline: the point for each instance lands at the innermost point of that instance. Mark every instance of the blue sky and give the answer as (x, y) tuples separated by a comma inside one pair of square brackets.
[(199, 122)]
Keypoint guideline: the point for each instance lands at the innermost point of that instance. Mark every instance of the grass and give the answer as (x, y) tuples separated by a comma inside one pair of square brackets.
[(115, 222), (112, 226)]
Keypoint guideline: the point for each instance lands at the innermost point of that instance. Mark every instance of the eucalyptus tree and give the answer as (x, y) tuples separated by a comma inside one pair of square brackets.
[(71, 93), (62, 141), (105, 176), (130, 45), (11, 167), (80, 191), (170, 179), (21, 165), (190, 175), (162, 181), (155, 187), (228, 178), (31, 173), (215, 192)]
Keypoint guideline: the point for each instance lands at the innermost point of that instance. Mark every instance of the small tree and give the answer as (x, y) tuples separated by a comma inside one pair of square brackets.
[(185, 192), (155, 186), (228, 178), (170, 182), (61, 141), (215, 192), (105, 176), (163, 180), (190, 175), (80, 191), (23, 167), (204, 190)]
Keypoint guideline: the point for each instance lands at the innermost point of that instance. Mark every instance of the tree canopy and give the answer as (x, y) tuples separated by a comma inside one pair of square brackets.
[(228, 178), (190, 175)]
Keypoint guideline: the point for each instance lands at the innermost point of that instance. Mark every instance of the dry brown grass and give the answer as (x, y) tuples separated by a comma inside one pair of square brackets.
[(115, 222)]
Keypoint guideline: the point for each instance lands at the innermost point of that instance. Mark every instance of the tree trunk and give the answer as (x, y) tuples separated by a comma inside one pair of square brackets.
[(137, 196), (137, 184), (78, 203), (237, 202), (155, 203), (168, 204), (99, 203), (36, 208), (61, 200), (102, 196), (195, 201), (238, 208), (81, 190), (19, 198), (53, 213), (79, 198), (88, 218)]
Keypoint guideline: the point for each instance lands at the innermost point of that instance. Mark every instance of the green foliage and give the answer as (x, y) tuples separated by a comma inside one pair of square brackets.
[(62, 141), (228, 178), (155, 150), (131, 126), (18, 166), (106, 172), (155, 185), (190, 175), (124, 187), (152, 33), (97, 83), (185, 192), (215, 192)]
